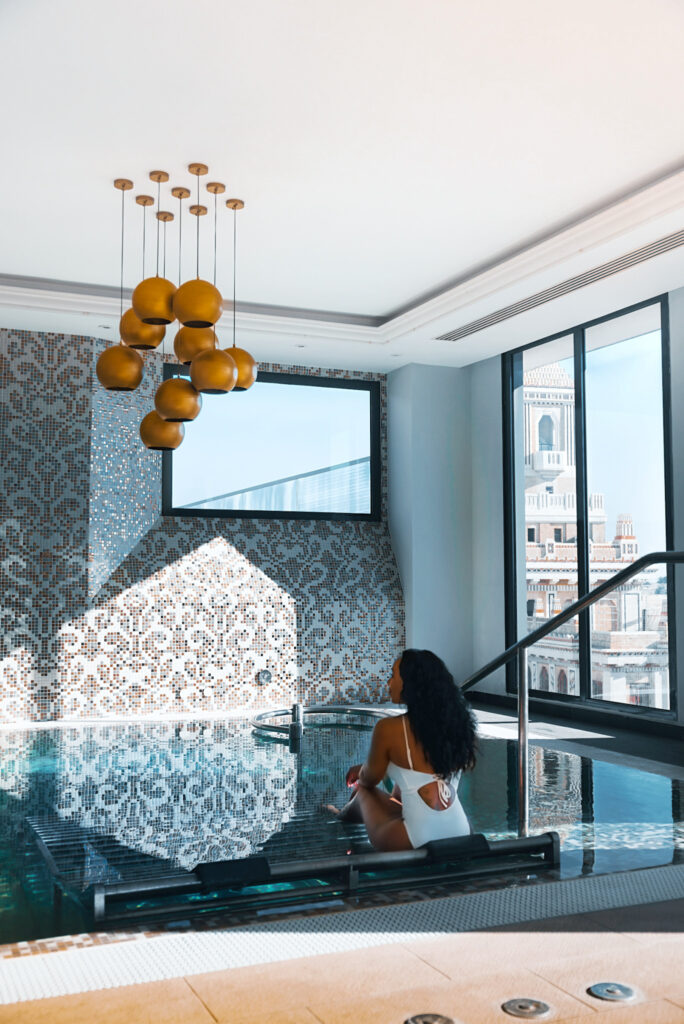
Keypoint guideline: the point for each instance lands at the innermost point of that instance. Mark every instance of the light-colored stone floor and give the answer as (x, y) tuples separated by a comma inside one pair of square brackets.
[(465, 976)]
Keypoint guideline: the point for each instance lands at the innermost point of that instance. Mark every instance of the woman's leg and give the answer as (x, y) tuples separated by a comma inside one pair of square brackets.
[(382, 817)]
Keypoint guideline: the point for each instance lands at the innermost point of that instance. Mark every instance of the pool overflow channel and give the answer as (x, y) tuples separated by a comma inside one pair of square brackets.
[(132, 886)]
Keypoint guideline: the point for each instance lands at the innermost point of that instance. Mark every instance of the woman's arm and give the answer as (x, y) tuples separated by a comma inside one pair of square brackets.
[(374, 769)]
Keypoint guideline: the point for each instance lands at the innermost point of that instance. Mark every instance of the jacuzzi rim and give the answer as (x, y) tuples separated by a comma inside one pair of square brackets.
[(260, 725)]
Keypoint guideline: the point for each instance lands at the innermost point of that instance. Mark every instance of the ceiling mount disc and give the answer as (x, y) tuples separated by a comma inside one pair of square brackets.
[(164, 215), (527, 1009), (216, 188), (198, 169), (144, 200), (429, 1018), (611, 990), (235, 204), (180, 192), (197, 210), (158, 176), (123, 184)]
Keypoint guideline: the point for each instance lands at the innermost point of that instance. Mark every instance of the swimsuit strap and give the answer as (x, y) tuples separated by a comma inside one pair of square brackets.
[(443, 787), (408, 752), (444, 791)]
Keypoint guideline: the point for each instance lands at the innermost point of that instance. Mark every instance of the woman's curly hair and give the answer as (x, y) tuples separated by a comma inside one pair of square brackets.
[(440, 717)]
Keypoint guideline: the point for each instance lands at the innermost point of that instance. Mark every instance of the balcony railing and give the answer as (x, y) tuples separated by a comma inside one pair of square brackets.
[(519, 651)]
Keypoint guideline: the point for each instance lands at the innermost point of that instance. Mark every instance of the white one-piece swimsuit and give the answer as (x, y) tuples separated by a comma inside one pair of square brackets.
[(422, 822)]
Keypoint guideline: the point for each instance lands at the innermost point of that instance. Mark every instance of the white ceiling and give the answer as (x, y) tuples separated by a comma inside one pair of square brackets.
[(385, 150)]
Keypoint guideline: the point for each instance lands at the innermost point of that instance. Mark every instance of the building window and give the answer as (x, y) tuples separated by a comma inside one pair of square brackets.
[(530, 534), (309, 448), (607, 487)]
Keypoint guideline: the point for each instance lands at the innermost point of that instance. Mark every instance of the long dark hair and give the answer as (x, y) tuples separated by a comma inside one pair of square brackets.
[(440, 717)]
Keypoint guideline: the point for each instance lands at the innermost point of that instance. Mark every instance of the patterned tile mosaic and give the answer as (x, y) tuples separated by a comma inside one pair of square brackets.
[(108, 608)]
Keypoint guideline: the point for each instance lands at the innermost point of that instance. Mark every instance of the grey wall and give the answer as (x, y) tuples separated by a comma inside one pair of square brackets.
[(489, 637), (429, 480)]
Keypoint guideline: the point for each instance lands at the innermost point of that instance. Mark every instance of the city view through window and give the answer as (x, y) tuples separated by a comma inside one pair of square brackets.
[(624, 459)]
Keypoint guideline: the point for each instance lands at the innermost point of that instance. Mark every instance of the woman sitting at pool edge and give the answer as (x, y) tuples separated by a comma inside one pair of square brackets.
[(423, 752)]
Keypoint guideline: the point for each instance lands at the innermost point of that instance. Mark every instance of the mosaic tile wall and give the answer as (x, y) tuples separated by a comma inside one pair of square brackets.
[(108, 608)]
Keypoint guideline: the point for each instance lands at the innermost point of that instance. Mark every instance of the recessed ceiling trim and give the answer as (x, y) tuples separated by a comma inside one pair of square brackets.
[(104, 291), (599, 273)]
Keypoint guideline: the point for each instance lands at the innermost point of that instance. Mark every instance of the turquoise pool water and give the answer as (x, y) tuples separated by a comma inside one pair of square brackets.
[(176, 795)]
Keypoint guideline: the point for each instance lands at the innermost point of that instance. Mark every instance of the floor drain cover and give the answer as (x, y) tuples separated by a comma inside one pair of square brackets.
[(611, 990), (528, 1009), (429, 1018)]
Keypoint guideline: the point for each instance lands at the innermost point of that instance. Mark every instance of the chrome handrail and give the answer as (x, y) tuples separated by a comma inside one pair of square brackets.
[(520, 648)]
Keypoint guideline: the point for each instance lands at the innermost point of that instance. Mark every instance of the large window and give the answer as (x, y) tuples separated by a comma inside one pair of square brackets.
[(588, 491), (291, 446)]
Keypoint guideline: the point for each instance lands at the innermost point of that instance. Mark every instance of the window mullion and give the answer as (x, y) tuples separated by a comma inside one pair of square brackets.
[(583, 583)]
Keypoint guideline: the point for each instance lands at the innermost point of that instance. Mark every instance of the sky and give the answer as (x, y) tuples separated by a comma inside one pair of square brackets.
[(625, 447), (271, 431)]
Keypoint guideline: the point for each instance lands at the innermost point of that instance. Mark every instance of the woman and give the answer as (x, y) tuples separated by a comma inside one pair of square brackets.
[(423, 752)]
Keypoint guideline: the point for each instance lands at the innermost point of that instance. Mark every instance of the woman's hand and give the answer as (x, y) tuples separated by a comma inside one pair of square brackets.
[(353, 774)]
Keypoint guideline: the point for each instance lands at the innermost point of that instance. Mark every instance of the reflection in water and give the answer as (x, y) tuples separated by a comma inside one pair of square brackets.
[(203, 791)]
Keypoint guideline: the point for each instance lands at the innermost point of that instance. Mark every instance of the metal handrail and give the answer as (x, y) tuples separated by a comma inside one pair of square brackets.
[(520, 648)]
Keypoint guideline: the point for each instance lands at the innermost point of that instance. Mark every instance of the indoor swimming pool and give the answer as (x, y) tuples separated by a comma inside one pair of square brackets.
[(165, 796)]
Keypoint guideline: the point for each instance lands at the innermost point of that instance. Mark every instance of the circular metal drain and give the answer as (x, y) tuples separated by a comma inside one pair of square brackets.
[(528, 1009), (611, 990), (429, 1018)]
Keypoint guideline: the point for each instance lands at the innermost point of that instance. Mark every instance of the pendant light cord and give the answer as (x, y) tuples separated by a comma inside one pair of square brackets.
[(144, 239), (234, 267), (180, 236), (198, 220), (164, 264), (122, 254), (158, 205), (215, 208)]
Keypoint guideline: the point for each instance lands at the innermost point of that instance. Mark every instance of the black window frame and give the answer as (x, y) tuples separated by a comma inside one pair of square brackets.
[(511, 376), (310, 380)]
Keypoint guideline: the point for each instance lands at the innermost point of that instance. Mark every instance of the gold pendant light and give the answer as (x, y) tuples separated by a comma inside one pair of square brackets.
[(153, 297), (136, 334), (160, 435), (119, 368), (191, 342), (197, 303), (177, 400), (247, 366), (213, 372)]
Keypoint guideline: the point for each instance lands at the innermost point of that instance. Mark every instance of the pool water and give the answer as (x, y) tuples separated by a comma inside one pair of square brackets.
[(174, 795)]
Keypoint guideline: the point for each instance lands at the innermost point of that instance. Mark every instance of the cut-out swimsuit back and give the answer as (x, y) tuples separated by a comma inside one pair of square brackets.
[(423, 822)]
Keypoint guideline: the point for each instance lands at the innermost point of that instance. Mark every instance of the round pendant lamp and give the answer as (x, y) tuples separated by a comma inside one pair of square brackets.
[(197, 303), (160, 435), (247, 368), (119, 368), (153, 297), (136, 334), (213, 372), (177, 400), (191, 341), (246, 364)]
